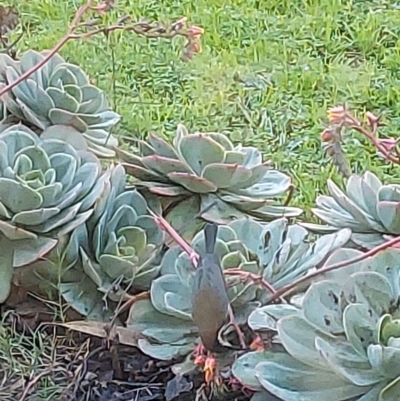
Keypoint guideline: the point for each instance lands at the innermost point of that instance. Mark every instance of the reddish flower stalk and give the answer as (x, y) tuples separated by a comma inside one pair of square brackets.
[(149, 30), (339, 115)]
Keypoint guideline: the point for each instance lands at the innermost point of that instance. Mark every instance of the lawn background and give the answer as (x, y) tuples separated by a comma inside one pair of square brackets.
[(267, 73)]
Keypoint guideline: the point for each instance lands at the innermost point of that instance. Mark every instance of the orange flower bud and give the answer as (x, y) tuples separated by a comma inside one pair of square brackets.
[(209, 369), (327, 135), (257, 344), (195, 31)]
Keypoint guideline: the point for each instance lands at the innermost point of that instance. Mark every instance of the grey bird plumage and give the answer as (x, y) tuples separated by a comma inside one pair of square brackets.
[(210, 301)]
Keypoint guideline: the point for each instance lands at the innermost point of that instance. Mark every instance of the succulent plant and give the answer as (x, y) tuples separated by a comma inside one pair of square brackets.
[(120, 243), (276, 252), (367, 207), (341, 343), (58, 93), (208, 166), (47, 189)]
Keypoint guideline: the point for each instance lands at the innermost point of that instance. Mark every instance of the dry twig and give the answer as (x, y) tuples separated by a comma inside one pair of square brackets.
[(142, 28)]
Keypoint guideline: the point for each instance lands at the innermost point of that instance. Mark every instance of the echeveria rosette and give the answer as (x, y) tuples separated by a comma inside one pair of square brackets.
[(277, 252), (118, 247), (59, 93), (369, 208), (209, 167), (342, 343), (47, 189)]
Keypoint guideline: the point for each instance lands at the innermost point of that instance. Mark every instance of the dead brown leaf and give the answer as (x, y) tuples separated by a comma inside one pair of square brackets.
[(124, 335)]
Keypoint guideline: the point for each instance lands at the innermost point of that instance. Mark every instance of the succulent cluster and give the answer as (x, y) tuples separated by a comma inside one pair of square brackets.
[(47, 189), (74, 224), (58, 94), (119, 245), (341, 343), (210, 168), (369, 208), (165, 319)]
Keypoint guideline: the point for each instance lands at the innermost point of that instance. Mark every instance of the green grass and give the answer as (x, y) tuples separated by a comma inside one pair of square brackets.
[(268, 71), (285, 62)]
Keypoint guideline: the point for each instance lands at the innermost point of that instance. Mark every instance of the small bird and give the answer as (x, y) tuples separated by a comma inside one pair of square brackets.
[(210, 303)]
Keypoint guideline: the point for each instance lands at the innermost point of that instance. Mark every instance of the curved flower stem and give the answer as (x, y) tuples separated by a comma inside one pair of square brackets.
[(255, 278), (146, 29), (75, 22), (236, 326), (165, 226), (284, 291)]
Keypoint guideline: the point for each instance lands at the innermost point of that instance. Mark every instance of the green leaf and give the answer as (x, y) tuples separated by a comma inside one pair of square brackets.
[(222, 139), (164, 329), (165, 352), (226, 175), (385, 360), (170, 296), (198, 151), (321, 307), (389, 215), (63, 117), (344, 361), (193, 183), (164, 165), (372, 289), (6, 269), (391, 391), (292, 380), (29, 250), (244, 368), (267, 317), (18, 197), (360, 327), (298, 337), (85, 298), (142, 174), (161, 147), (67, 134)]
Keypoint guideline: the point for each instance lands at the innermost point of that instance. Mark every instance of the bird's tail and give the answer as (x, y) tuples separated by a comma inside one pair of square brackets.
[(210, 237)]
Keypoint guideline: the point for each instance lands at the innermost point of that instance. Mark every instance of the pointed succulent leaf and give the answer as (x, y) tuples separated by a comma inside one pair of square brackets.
[(346, 328), (222, 139), (193, 183), (164, 165), (367, 207), (361, 195), (226, 175), (86, 299), (372, 289), (162, 147)]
